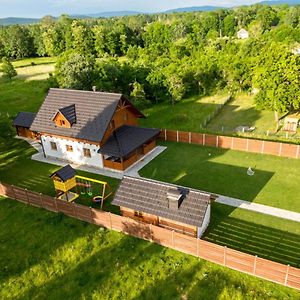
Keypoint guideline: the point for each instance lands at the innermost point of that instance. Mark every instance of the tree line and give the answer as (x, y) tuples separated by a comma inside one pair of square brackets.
[(155, 58)]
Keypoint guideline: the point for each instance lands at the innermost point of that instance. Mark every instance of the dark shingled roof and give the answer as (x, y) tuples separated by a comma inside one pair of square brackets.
[(126, 139), (69, 112), (152, 197), (24, 119), (65, 173), (94, 111)]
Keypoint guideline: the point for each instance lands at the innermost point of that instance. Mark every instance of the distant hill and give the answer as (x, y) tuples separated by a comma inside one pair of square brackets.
[(12, 21), (194, 8), (110, 14)]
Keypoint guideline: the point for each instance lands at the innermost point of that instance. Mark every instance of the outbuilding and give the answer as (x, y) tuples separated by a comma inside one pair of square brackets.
[(22, 123), (291, 122), (166, 205), (243, 34)]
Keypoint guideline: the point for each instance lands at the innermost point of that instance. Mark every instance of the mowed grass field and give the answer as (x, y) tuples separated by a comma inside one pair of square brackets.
[(42, 251), (44, 255), (187, 115)]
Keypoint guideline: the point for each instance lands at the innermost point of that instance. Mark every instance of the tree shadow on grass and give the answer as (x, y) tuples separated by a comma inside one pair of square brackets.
[(101, 273), (265, 242), (30, 235)]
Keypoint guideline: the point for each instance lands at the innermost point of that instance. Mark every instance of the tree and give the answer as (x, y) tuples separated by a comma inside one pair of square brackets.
[(8, 69), (277, 77), (75, 71), (138, 95)]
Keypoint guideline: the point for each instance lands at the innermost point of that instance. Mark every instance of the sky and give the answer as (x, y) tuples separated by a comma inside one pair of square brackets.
[(40, 8)]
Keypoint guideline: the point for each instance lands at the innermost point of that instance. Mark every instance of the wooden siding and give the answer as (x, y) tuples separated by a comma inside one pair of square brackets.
[(59, 118), (162, 222), (25, 132), (122, 116)]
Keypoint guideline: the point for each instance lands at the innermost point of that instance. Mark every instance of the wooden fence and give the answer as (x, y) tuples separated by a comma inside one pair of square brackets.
[(233, 143), (246, 263)]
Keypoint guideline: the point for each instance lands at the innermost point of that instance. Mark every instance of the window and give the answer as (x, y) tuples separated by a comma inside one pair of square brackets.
[(69, 148), (62, 122), (53, 146), (86, 152)]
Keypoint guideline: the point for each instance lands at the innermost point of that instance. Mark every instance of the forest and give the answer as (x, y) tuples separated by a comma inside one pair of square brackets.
[(167, 57)]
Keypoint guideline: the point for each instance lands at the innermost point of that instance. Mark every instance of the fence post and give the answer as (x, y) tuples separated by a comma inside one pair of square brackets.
[(280, 149), (27, 198), (110, 222), (74, 210), (150, 229), (13, 189), (197, 248), (55, 201), (165, 134), (297, 154), (41, 198), (177, 136), (287, 275), (1, 189), (203, 139), (247, 147), (190, 137), (217, 141), (173, 239), (254, 267), (232, 141), (225, 255), (263, 147)]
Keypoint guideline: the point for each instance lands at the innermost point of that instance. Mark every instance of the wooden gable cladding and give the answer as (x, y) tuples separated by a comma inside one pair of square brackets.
[(124, 115), (61, 121)]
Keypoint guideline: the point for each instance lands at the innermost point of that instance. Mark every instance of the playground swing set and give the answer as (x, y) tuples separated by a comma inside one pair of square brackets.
[(65, 180)]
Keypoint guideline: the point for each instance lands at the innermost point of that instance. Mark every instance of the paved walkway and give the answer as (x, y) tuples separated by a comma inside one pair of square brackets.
[(260, 208), (132, 171)]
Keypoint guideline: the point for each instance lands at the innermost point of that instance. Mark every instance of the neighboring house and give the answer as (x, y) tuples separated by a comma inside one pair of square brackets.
[(92, 128), (166, 205), (22, 122), (243, 34)]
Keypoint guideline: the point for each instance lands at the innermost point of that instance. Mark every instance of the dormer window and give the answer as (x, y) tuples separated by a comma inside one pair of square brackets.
[(65, 117)]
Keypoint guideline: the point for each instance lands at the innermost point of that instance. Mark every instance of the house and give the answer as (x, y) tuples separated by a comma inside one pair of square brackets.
[(166, 205), (243, 34), (92, 128), (22, 123)]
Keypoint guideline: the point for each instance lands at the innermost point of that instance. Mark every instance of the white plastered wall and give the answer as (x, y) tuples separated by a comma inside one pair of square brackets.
[(205, 223), (76, 155)]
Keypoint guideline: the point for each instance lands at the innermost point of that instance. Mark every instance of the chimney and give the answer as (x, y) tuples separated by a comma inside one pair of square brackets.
[(94, 88), (174, 197)]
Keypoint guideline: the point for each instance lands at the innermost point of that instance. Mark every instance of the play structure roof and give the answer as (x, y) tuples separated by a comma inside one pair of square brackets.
[(65, 173), (24, 119), (126, 139), (152, 197), (94, 111)]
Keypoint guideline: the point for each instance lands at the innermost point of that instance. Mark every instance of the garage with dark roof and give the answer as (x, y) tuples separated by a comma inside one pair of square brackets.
[(22, 123), (174, 207)]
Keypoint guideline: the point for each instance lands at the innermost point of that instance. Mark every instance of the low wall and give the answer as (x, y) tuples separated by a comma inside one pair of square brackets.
[(233, 143), (246, 263)]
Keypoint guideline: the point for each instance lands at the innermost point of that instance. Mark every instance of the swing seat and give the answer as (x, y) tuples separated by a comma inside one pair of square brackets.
[(97, 199)]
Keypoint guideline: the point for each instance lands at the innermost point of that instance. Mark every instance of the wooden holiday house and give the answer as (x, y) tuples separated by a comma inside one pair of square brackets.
[(166, 205), (23, 122), (92, 128)]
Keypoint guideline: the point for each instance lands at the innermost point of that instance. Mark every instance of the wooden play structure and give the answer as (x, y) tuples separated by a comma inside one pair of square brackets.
[(65, 179)]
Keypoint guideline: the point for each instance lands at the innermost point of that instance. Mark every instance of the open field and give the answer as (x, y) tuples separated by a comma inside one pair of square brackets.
[(225, 172), (34, 60), (55, 257), (187, 115)]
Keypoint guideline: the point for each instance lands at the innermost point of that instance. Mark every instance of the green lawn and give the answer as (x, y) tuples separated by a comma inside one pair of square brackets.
[(224, 172), (265, 236), (187, 115), (35, 60), (44, 255), (241, 111)]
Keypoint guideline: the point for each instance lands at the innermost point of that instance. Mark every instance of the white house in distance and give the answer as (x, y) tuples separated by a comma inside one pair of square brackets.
[(243, 34), (90, 128)]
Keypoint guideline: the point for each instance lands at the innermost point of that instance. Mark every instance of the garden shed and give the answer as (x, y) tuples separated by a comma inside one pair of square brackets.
[(291, 122), (22, 123), (166, 205)]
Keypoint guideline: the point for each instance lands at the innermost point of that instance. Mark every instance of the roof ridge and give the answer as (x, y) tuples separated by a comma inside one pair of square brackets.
[(85, 91)]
